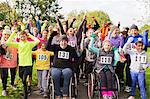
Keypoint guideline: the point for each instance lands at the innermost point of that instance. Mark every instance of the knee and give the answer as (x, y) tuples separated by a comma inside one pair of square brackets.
[(55, 73), (67, 73)]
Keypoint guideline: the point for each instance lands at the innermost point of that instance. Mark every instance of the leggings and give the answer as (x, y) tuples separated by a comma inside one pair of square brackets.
[(106, 82), (4, 76), (24, 71)]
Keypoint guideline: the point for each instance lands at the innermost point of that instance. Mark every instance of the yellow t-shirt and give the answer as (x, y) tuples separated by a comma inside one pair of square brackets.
[(42, 59)]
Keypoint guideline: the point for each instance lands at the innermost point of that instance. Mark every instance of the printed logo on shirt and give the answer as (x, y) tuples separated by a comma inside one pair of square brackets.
[(63, 54), (105, 60), (42, 57), (140, 58)]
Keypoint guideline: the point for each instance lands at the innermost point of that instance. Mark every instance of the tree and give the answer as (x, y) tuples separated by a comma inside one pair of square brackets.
[(37, 7), (4, 10), (7, 13), (100, 16)]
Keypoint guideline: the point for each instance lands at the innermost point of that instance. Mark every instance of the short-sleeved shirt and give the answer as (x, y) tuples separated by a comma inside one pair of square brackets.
[(42, 59)]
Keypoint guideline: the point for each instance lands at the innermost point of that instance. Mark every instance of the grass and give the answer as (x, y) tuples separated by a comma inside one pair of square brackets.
[(16, 94)]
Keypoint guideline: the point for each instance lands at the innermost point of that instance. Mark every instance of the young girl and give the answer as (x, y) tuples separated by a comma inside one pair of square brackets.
[(104, 65), (42, 66), (25, 55), (8, 61), (139, 62)]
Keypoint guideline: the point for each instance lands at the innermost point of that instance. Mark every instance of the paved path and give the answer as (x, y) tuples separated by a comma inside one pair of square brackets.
[(82, 94)]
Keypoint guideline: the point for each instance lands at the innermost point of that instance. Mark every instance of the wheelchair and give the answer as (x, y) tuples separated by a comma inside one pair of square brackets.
[(73, 90), (94, 86)]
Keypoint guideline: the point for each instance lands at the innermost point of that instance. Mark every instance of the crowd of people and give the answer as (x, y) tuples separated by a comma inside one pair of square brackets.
[(63, 50)]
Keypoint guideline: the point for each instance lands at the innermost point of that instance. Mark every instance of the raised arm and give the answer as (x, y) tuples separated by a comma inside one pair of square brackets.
[(91, 46), (36, 40), (44, 25), (10, 42), (67, 27), (48, 46), (96, 25), (125, 47), (60, 26), (79, 32), (71, 24)]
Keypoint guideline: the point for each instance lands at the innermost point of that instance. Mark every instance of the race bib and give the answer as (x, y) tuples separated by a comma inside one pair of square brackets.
[(90, 55), (8, 56), (42, 57), (72, 43), (63, 54), (140, 58), (131, 46), (105, 60)]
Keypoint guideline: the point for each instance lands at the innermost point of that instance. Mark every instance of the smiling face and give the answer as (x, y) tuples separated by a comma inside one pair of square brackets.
[(44, 35), (43, 46), (23, 36), (70, 31), (139, 46), (115, 32), (134, 32), (107, 46), (6, 36), (63, 43)]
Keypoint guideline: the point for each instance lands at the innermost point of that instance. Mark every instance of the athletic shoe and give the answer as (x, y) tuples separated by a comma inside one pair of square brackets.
[(105, 97), (131, 97), (45, 95), (110, 97), (4, 93), (127, 89)]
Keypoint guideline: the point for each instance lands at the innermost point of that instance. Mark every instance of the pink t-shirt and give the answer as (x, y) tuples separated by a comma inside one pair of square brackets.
[(10, 59)]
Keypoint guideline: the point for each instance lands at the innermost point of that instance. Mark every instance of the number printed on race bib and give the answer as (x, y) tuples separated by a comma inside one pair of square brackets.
[(131, 46), (90, 55), (106, 60), (63, 54), (42, 57), (72, 43), (140, 58)]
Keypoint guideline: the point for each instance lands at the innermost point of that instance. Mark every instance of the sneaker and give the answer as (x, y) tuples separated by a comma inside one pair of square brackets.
[(110, 97), (29, 90), (122, 81), (127, 89), (131, 97), (4, 93), (105, 97), (41, 92), (85, 83), (45, 95)]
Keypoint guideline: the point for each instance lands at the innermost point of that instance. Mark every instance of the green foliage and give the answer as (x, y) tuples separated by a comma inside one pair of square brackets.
[(100, 16), (2, 16), (145, 27), (37, 7), (7, 13)]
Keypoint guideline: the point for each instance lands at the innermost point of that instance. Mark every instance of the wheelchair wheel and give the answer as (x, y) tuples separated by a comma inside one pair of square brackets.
[(51, 89), (91, 85), (70, 89), (74, 87), (116, 87)]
